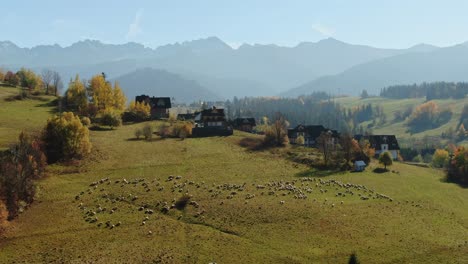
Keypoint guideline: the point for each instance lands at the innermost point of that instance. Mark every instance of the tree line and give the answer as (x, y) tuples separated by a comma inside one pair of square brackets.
[(434, 90), (47, 82)]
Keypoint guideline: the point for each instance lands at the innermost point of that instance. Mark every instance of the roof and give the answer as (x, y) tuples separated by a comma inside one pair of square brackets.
[(210, 113), (359, 163), (155, 102), (312, 131), (376, 141), (244, 121)]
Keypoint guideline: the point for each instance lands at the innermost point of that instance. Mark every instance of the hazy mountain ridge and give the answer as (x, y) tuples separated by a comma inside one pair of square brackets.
[(161, 83), (441, 64)]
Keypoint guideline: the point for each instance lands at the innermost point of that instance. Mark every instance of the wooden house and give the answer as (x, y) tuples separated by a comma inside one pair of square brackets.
[(246, 124), (310, 134), (159, 105), (382, 143), (211, 122)]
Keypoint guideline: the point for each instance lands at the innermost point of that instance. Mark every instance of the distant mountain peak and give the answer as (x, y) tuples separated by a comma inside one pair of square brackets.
[(7, 44), (423, 47)]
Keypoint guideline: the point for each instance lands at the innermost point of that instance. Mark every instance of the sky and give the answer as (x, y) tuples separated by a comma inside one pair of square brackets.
[(378, 23)]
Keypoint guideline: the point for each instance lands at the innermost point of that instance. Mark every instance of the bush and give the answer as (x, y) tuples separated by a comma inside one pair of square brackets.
[(458, 168), (148, 132), (111, 118), (19, 166), (66, 138), (86, 121), (182, 130), (300, 140)]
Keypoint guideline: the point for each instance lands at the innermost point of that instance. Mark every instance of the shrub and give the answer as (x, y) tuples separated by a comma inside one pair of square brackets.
[(111, 118), (300, 140), (458, 169), (86, 121), (277, 133), (66, 138), (148, 132), (19, 166), (386, 159), (353, 259), (182, 130), (137, 112)]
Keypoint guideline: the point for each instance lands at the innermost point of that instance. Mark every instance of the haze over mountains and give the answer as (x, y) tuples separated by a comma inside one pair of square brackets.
[(209, 68)]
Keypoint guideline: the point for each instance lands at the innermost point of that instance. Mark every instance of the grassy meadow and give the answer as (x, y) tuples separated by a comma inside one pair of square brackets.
[(250, 206), (390, 106)]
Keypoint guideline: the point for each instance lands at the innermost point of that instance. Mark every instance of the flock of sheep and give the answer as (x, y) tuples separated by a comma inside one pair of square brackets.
[(100, 202)]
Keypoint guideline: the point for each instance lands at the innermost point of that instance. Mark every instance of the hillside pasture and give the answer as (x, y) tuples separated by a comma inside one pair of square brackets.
[(250, 208)]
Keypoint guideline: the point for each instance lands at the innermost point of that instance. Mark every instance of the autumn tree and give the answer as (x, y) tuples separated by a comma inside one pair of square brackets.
[(300, 140), (137, 111), (11, 78), (119, 98), (458, 167), (2, 75), (65, 138), (350, 146), (76, 97), (29, 79), (102, 94), (277, 133), (19, 166), (440, 158), (428, 116), (386, 159)]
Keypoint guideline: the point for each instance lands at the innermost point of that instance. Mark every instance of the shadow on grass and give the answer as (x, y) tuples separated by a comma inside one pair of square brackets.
[(54, 104), (100, 128), (318, 173), (254, 144), (380, 170), (143, 139)]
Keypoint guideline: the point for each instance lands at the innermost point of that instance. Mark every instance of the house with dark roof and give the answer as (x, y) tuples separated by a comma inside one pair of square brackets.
[(246, 124), (159, 105), (382, 143), (310, 134), (211, 122), (187, 116)]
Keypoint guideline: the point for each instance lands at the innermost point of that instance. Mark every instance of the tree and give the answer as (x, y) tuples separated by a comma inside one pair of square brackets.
[(19, 166), (350, 146), (57, 83), (47, 78), (138, 111), (440, 158), (458, 168), (324, 142), (111, 118), (386, 159), (2, 75), (11, 78), (102, 94), (65, 138), (119, 98), (76, 95), (29, 79), (364, 94), (277, 132)]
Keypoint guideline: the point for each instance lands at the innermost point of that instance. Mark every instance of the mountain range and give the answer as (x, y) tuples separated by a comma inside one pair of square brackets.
[(211, 68)]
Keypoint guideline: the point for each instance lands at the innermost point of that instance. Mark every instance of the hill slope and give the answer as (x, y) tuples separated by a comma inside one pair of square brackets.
[(445, 64), (161, 83), (425, 222)]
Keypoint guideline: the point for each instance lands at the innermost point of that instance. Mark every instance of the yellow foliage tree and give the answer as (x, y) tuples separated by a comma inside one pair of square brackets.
[(76, 95), (440, 158), (101, 93), (119, 98), (140, 109)]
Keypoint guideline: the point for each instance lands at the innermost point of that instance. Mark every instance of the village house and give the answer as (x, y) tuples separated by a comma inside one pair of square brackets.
[(382, 143), (246, 124), (310, 134), (211, 122), (187, 116), (159, 105)]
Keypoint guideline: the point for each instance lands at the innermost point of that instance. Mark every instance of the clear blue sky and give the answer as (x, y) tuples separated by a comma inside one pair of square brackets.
[(393, 24)]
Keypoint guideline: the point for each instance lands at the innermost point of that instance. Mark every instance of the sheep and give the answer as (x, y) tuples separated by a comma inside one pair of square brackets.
[(281, 202)]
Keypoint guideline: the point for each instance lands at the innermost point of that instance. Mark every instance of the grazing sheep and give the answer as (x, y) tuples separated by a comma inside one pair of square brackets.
[(281, 202)]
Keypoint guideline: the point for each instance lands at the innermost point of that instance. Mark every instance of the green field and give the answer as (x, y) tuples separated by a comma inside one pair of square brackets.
[(426, 220), (390, 106)]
